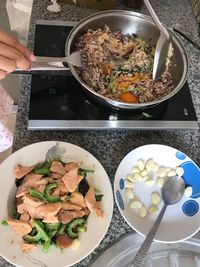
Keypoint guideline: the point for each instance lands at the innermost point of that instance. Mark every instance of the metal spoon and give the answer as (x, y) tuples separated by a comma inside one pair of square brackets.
[(172, 192), (162, 46), (53, 63)]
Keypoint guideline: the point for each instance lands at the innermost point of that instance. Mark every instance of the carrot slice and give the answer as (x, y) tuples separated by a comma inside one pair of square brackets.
[(128, 97)]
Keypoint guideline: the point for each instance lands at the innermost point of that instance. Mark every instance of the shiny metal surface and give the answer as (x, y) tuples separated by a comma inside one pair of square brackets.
[(129, 22), (172, 192), (162, 46), (108, 125)]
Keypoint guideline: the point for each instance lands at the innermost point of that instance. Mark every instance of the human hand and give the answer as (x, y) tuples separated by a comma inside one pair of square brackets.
[(13, 54)]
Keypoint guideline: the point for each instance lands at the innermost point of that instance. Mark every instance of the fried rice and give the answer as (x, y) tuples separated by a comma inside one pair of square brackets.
[(119, 66)]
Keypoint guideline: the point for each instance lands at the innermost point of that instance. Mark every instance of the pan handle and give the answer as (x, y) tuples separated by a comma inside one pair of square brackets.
[(44, 64)]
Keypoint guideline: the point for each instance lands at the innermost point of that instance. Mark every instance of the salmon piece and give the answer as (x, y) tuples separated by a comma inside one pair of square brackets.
[(20, 171), (71, 179), (50, 219), (80, 178), (22, 228), (49, 209), (56, 192), (26, 247), (90, 199), (62, 187), (70, 165), (86, 210), (98, 210), (32, 201), (66, 216), (41, 188), (56, 176), (21, 208), (21, 191), (78, 199), (31, 179), (57, 167), (33, 212), (70, 206), (25, 217)]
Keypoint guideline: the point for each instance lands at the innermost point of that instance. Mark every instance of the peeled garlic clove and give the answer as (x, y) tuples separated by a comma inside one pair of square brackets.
[(179, 171), (143, 212), (75, 244), (149, 182), (140, 164), (155, 198), (135, 204), (149, 164), (138, 177), (162, 172), (129, 193), (160, 182), (144, 178), (135, 170), (144, 172), (152, 209), (171, 173), (128, 184), (188, 191), (131, 178), (155, 167)]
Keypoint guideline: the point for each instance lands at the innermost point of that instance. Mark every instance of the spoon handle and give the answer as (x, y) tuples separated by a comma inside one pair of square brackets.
[(141, 254), (156, 19)]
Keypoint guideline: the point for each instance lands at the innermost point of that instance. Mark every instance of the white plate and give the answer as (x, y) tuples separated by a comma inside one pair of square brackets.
[(29, 155), (181, 220)]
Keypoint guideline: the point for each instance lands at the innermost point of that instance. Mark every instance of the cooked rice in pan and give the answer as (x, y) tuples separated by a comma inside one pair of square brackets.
[(119, 66)]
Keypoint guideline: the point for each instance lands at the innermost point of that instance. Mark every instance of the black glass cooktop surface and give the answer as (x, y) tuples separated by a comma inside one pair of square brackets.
[(59, 102)]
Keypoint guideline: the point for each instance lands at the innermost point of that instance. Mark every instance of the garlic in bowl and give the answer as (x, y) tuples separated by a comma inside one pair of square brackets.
[(138, 182)]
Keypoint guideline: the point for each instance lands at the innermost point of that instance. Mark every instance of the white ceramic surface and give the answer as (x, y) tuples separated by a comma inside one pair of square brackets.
[(10, 242), (181, 220)]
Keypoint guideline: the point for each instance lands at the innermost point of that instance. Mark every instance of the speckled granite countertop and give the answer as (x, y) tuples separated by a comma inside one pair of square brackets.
[(111, 146)]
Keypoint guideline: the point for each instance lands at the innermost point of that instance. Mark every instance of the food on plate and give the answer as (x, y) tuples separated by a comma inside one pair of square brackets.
[(52, 204), (119, 66), (153, 176)]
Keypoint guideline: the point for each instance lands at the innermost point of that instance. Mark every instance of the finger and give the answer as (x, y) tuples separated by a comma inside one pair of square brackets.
[(11, 41), (11, 53), (2, 74), (7, 64)]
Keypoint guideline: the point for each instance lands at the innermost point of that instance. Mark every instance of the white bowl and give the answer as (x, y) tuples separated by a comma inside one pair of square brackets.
[(181, 220), (29, 155)]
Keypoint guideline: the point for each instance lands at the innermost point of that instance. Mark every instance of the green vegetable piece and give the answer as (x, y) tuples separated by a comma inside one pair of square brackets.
[(52, 226), (40, 229), (43, 171), (35, 193), (99, 197), (46, 246), (15, 214), (72, 229), (4, 222), (82, 229), (32, 239), (42, 168), (48, 195), (62, 229)]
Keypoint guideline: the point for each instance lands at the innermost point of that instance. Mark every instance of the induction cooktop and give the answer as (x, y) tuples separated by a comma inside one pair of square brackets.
[(58, 101)]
